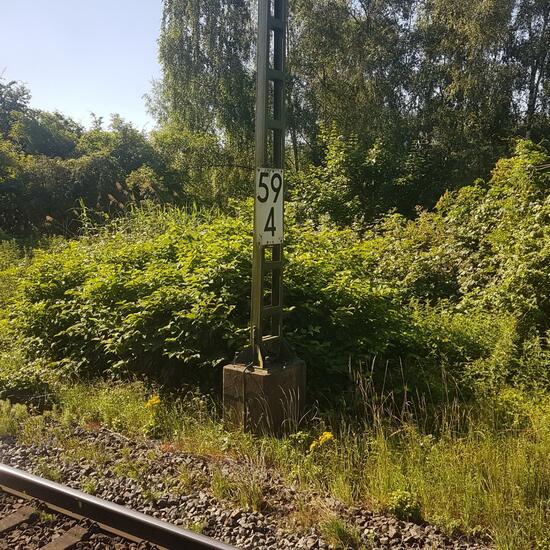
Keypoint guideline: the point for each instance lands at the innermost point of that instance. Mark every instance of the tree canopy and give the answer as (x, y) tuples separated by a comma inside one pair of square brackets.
[(437, 86)]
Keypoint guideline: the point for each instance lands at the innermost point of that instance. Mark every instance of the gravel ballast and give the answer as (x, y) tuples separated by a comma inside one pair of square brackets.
[(144, 476)]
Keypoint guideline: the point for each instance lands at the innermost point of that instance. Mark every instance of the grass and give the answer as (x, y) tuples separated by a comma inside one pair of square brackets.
[(34, 428), (78, 451), (221, 486), (243, 489), (184, 479), (44, 468), (45, 517), (117, 406), (129, 468), (150, 495), (187, 480), (12, 417), (482, 469), (90, 485), (197, 527), (307, 514), (340, 534)]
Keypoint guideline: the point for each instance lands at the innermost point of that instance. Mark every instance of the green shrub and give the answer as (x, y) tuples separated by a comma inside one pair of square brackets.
[(10, 259), (20, 379), (453, 299), (167, 292), (405, 506), (129, 301), (482, 253)]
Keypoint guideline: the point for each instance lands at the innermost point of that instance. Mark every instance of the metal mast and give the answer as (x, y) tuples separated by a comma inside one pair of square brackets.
[(267, 272), (264, 388)]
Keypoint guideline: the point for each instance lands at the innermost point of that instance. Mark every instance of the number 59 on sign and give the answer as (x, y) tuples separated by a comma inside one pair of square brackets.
[(268, 206)]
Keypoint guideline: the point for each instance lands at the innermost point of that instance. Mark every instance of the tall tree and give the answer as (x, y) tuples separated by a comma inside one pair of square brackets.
[(205, 50), (351, 58), (464, 81), (532, 50), (431, 91), (14, 98)]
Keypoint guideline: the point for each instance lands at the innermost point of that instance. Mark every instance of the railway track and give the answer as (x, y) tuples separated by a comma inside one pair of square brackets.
[(38, 513)]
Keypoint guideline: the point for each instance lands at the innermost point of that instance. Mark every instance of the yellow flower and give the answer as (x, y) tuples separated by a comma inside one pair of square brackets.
[(321, 440), (153, 402), (324, 437)]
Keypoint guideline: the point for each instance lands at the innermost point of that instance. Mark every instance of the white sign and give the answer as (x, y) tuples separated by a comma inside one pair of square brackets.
[(268, 206)]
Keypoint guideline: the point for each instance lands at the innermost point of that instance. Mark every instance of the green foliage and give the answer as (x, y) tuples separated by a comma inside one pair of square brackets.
[(43, 133), (431, 92), (390, 104), (138, 301), (482, 253), (450, 300), (326, 190), (122, 143), (8, 161), (205, 50), (484, 469), (200, 168), (437, 83), (44, 468), (50, 168), (17, 378), (487, 478), (14, 99), (171, 289), (244, 489), (145, 184), (340, 534), (356, 182), (12, 417), (118, 406), (405, 506)]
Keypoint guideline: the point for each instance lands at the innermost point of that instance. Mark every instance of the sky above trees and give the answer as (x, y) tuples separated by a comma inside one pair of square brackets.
[(82, 57)]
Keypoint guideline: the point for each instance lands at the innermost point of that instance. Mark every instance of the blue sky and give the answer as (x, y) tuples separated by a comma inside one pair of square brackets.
[(78, 56)]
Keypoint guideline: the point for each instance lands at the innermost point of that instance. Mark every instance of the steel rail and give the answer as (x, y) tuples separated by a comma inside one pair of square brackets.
[(111, 517)]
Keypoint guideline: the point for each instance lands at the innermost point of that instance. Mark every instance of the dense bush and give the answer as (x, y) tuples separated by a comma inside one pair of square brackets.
[(18, 377), (164, 293), (51, 167), (357, 182), (485, 248), (459, 295)]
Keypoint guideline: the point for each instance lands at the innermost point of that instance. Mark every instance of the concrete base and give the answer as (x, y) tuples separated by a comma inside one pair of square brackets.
[(264, 400)]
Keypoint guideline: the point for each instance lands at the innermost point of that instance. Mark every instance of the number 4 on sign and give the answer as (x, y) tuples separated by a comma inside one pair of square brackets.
[(268, 206)]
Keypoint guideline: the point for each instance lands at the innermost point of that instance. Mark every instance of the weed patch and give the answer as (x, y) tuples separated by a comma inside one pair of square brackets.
[(122, 407), (485, 471), (242, 489), (340, 534), (12, 417), (44, 468)]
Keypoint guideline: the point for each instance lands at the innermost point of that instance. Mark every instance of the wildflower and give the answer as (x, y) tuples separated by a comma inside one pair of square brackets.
[(153, 402), (321, 440), (324, 437), (313, 446)]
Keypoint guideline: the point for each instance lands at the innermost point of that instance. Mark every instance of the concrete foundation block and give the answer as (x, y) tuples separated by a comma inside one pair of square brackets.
[(264, 400)]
